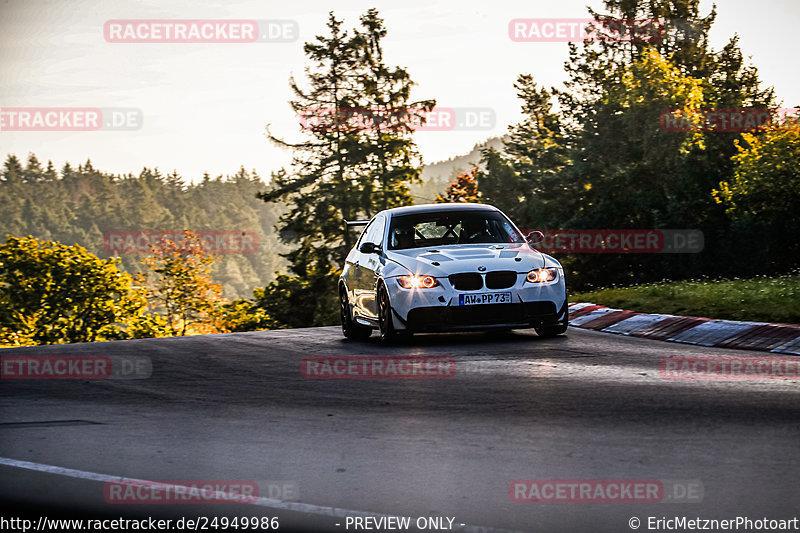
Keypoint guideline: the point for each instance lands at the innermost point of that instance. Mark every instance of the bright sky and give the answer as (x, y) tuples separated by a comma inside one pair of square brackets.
[(204, 106)]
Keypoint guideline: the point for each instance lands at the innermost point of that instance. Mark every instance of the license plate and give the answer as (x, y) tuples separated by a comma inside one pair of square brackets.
[(484, 298)]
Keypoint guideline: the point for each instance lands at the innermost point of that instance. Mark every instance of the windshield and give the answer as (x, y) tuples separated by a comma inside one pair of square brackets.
[(440, 228)]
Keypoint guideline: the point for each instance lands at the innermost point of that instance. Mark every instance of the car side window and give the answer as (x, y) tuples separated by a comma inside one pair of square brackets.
[(375, 234), (362, 237)]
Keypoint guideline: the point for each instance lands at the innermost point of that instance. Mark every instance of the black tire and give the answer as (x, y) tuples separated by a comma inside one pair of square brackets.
[(554, 330), (351, 330), (388, 333)]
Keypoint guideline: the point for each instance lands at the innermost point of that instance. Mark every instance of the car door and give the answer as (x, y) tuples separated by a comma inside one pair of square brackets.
[(370, 267), (354, 273)]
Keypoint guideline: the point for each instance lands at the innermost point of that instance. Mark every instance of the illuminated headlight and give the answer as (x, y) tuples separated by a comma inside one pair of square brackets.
[(417, 282), (542, 275)]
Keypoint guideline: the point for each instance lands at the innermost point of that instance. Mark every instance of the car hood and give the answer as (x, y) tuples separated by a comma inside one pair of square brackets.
[(451, 259)]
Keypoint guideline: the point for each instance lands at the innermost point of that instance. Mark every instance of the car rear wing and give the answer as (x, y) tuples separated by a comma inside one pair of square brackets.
[(356, 223)]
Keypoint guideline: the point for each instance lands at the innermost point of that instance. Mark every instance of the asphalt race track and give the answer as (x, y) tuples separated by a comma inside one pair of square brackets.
[(587, 406)]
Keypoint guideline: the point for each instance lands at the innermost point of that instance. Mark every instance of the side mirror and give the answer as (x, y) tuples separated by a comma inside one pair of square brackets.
[(369, 248), (535, 236)]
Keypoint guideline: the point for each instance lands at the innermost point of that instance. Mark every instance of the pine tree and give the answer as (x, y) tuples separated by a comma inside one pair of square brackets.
[(527, 180), (34, 172), (12, 170), (390, 158), (356, 160), (322, 190)]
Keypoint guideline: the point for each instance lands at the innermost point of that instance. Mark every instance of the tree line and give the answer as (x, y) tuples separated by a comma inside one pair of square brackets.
[(83, 205), (597, 155)]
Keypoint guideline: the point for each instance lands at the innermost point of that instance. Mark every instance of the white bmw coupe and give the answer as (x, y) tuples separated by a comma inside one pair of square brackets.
[(448, 267)]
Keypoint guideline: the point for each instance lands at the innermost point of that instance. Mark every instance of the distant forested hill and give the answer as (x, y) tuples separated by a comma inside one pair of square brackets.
[(83, 205)]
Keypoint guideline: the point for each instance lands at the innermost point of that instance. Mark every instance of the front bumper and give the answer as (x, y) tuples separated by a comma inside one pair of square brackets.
[(438, 309), (450, 318)]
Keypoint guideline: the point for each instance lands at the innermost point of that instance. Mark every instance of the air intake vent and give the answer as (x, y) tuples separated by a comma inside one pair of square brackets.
[(467, 281), (501, 280)]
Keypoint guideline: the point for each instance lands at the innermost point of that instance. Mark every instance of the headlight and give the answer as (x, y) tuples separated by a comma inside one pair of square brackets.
[(542, 275), (417, 282)]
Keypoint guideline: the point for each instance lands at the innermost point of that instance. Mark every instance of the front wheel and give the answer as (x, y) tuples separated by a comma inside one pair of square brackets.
[(388, 333), (554, 330), (350, 329)]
